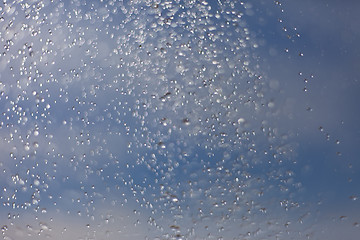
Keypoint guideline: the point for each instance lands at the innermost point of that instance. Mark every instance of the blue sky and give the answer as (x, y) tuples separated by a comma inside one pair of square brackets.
[(189, 120)]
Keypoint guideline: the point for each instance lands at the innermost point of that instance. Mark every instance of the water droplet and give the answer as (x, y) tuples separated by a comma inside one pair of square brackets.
[(342, 218), (36, 182), (353, 197), (161, 145), (271, 104), (186, 121)]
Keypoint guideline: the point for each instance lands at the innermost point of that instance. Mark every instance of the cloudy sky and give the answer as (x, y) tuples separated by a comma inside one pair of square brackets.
[(179, 120)]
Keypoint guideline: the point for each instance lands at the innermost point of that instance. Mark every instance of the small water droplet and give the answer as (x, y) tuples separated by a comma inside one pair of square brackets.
[(271, 104), (36, 182), (186, 121), (354, 198), (342, 218), (161, 145), (175, 227)]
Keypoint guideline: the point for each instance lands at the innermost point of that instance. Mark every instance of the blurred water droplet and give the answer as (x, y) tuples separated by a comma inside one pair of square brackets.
[(354, 198), (186, 121)]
